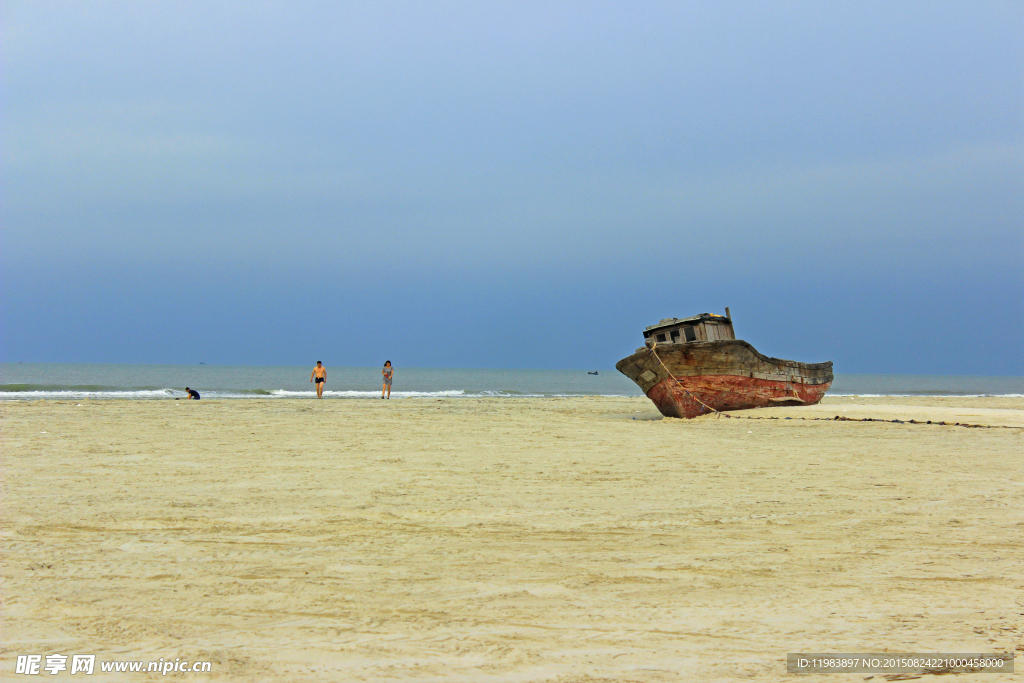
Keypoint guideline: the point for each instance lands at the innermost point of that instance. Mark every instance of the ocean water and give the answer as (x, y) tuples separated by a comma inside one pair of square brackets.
[(34, 381), (29, 381)]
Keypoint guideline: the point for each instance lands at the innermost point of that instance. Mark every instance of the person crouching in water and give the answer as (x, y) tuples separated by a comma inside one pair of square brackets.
[(388, 372), (320, 375)]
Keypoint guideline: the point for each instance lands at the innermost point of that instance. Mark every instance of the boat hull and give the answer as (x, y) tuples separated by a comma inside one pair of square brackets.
[(691, 379)]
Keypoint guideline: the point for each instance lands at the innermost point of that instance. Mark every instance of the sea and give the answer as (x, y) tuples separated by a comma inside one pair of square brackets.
[(33, 381)]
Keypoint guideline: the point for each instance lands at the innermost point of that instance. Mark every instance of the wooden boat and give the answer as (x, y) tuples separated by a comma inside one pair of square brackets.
[(694, 366)]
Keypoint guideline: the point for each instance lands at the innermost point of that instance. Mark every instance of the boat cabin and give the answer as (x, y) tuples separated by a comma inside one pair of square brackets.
[(703, 327)]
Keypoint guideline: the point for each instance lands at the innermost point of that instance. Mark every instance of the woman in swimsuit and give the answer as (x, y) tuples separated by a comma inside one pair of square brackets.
[(388, 372)]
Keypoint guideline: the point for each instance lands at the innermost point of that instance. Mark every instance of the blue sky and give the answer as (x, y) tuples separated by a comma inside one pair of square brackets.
[(512, 184)]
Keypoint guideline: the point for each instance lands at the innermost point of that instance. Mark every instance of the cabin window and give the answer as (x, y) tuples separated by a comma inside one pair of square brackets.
[(661, 337), (675, 335), (689, 334)]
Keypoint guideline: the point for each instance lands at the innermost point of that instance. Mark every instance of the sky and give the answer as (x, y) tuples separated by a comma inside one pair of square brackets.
[(511, 184)]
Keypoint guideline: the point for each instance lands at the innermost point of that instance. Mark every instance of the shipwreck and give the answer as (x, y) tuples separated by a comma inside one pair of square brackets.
[(695, 366)]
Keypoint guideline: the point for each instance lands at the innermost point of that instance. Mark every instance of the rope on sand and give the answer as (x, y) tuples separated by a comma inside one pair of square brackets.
[(839, 418)]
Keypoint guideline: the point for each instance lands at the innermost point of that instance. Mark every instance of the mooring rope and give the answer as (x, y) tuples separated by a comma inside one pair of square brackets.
[(681, 385), (837, 418), (840, 418)]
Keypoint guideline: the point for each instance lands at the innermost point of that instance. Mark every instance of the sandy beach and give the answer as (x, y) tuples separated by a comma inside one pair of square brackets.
[(561, 539)]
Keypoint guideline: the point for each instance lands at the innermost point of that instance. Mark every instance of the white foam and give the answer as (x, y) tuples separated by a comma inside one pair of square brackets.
[(284, 393), (69, 394), (150, 394)]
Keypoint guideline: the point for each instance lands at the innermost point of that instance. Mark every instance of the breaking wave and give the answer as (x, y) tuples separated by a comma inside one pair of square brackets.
[(7, 392)]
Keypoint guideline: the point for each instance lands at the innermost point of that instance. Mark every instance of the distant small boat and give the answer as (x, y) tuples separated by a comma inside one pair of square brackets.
[(692, 366), (202, 363), (592, 373)]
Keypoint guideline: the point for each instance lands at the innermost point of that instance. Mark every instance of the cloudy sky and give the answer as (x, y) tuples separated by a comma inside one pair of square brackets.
[(488, 184)]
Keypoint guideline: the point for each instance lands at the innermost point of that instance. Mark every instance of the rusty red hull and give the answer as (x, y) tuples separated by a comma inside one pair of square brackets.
[(695, 378), (729, 392)]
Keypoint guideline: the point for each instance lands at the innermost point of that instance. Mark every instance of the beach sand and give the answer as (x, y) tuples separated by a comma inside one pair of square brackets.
[(562, 539)]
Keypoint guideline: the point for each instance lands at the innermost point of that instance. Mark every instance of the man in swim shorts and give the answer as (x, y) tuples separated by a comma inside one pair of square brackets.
[(192, 393), (320, 375)]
